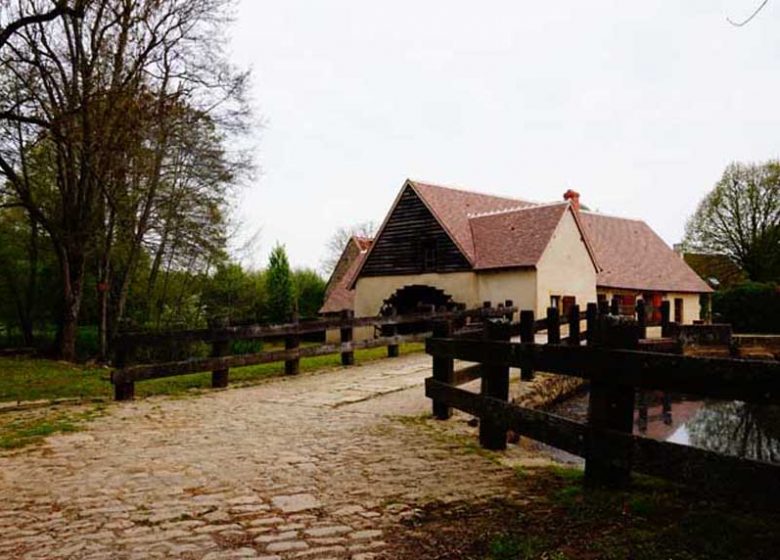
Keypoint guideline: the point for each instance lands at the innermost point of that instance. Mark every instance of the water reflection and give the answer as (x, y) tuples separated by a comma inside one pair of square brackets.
[(733, 428), (737, 428)]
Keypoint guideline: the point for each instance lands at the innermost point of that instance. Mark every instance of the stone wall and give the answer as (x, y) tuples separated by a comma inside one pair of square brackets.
[(548, 388)]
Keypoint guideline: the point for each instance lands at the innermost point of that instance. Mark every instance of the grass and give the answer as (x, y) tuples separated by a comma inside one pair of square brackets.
[(651, 519), (32, 427), (24, 379)]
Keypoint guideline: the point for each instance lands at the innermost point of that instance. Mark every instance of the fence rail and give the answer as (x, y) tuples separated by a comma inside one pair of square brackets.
[(219, 363), (616, 368)]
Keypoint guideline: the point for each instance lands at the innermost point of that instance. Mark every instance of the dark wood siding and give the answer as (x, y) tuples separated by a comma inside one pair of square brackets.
[(410, 230)]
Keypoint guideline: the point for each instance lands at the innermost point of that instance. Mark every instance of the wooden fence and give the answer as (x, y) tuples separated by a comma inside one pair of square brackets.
[(221, 360), (616, 363)]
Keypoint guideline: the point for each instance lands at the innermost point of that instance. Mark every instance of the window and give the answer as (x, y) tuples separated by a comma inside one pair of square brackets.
[(555, 302), (428, 254)]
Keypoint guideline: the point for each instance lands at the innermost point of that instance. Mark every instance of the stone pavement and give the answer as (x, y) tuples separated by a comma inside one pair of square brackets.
[(317, 466)]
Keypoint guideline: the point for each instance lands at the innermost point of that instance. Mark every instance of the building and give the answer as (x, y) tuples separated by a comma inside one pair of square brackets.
[(450, 247), (338, 295), (718, 271)]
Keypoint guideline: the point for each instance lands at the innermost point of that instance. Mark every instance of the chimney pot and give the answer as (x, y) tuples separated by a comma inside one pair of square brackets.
[(573, 197)]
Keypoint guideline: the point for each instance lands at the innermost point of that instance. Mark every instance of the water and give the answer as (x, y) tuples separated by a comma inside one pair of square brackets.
[(733, 428)]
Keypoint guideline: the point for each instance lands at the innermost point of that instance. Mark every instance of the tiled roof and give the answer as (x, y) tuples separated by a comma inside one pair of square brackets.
[(632, 256), (363, 243), (496, 232), (340, 296), (514, 238), (720, 268), (452, 207)]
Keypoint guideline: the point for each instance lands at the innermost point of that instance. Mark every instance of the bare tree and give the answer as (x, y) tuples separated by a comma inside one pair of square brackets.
[(338, 242), (99, 93), (740, 217)]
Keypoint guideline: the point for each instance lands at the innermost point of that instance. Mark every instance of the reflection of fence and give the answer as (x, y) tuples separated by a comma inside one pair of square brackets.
[(616, 364), (220, 339)]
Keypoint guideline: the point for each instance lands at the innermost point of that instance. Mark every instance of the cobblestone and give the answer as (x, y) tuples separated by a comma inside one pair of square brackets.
[(315, 466)]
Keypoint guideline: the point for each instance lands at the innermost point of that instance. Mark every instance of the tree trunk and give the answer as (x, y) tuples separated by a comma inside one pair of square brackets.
[(104, 283), (32, 285), (72, 266)]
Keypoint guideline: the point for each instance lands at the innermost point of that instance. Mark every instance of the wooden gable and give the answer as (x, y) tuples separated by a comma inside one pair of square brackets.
[(412, 241)]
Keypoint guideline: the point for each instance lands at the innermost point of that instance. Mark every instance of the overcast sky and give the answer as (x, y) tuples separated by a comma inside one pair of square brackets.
[(637, 105)]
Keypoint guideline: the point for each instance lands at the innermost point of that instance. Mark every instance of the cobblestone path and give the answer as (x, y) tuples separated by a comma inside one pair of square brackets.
[(317, 466)]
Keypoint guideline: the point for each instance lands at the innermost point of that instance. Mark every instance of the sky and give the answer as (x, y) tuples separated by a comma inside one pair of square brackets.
[(639, 106)]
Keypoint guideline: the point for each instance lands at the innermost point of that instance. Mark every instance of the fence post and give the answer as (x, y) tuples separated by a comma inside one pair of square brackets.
[(495, 384), (123, 391), (219, 377), (291, 342), (348, 356), (641, 318), (667, 409), (574, 325), (610, 407), (391, 330), (553, 325), (443, 369), (527, 334), (666, 309), (641, 405), (591, 320)]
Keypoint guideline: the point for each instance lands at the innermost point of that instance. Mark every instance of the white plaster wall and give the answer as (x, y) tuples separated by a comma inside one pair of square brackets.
[(691, 306), (519, 285), (370, 292), (565, 268)]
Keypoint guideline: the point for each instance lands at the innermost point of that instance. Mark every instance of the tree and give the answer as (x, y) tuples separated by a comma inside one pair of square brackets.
[(230, 296), (310, 289), (338, 241), (279, 286), (106, 93), (740, 218)]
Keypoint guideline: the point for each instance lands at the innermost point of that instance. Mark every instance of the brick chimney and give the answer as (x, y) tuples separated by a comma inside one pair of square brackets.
[(573, 197)]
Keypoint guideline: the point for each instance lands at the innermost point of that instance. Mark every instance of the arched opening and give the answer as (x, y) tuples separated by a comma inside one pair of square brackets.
[(419, 298)]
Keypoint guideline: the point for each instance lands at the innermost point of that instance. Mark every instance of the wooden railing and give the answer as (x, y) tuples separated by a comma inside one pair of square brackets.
[(221, 360), (616, 368)]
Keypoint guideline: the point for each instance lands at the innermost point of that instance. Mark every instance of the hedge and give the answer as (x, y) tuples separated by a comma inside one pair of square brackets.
[(751, 307)]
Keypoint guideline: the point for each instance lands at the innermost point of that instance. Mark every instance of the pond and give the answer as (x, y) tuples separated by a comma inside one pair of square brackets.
[(734, 428)]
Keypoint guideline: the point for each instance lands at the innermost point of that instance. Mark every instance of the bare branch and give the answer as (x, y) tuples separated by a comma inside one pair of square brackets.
[(62, 9), (750, 18)]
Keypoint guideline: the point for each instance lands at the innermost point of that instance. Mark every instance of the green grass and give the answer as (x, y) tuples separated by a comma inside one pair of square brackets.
[(33, 426), (24, 379), (650, 519)]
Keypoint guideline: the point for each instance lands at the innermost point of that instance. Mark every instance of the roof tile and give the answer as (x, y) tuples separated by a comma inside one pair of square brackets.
[(633, 257), (515, 238)]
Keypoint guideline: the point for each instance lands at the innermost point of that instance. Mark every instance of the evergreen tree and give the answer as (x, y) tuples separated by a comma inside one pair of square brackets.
[(279, 286)]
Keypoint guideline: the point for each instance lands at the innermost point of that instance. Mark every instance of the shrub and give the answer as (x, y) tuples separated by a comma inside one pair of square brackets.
[(750, 307)]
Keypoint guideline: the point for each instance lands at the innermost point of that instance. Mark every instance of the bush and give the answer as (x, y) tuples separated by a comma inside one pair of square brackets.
[(751, 307)]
